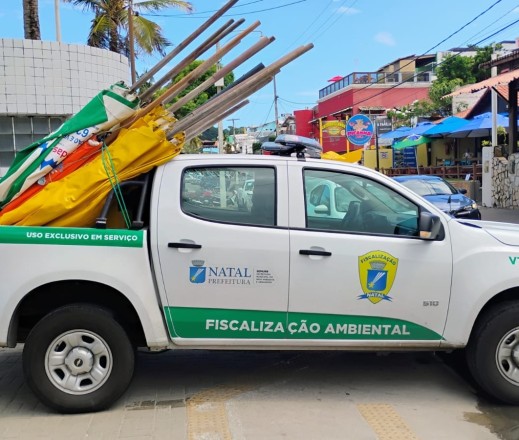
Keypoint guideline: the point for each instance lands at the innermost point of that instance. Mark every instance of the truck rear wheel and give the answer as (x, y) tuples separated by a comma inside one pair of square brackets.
[(493, 353), (78, 359)]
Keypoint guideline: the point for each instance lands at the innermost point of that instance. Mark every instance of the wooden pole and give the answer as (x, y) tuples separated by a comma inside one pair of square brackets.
[(204, 124), (210, 42), (243, 88), (218, 105), (173, 91), (182, 45), (178, 87), (262, 43)]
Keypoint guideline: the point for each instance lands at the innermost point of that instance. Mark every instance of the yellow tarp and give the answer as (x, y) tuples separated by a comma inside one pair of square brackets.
[(77, 199), (351, 157)]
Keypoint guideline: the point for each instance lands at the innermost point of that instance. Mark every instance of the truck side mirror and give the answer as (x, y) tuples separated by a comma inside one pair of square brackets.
[(430, 226)]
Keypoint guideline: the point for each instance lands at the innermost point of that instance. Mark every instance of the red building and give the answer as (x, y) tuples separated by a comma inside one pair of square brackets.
[(371, 93)]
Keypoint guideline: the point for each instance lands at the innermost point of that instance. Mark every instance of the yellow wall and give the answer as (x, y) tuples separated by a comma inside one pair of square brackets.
[(385, 158), (421, 155)]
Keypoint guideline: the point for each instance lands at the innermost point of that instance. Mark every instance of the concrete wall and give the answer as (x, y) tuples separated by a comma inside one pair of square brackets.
[(51, 78)]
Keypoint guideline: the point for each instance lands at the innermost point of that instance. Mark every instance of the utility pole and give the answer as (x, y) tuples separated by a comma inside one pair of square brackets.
[(493, 103), (131, 41), (276, 105), (219, 85), (58, 21), (234, 129)]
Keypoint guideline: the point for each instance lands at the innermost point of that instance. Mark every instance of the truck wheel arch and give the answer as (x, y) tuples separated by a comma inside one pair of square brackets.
[(508, 295), (48, 297)]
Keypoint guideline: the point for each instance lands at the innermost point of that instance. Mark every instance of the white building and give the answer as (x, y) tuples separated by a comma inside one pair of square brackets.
[(42, 83)]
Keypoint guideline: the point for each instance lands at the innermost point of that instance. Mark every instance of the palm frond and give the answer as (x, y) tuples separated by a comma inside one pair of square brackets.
[(157, 5), (148, 35), (87, 5)]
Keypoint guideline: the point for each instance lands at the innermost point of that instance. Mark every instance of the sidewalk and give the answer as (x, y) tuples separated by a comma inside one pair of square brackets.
[(500, 214)]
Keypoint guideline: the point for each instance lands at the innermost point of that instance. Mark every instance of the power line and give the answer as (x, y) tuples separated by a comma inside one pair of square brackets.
[(297, 103), (414, 76), (192, 14), (231, 15), (441, 42), (313, 22), (335, 21), (495, 21)]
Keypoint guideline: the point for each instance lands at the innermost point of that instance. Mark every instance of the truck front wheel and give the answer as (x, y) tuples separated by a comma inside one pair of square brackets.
[(493, 353), (78, 359)]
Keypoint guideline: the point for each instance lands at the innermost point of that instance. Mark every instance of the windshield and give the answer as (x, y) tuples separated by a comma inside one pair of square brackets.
[(429, 187)]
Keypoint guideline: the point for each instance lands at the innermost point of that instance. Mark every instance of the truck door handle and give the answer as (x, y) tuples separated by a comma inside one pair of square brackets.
[(315, 252), (185, 245)]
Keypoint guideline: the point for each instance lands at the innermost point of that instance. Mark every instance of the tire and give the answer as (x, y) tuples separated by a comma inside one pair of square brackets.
[(493, 353), (78, 359)]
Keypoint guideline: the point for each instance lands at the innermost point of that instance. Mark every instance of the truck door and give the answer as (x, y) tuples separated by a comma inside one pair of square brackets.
[(223, 252), (360, 275)]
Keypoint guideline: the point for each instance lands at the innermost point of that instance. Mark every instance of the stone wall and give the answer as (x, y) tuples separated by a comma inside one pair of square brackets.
[(505, 181)]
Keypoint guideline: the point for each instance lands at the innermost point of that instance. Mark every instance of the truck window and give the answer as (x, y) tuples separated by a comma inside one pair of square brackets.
[(240, 195), (353, 203)]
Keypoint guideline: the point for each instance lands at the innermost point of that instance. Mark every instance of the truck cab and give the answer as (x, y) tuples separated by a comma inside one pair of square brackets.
[(370, 265)]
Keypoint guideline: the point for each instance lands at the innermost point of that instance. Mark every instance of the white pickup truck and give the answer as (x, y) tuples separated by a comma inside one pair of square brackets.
[(325, 256)]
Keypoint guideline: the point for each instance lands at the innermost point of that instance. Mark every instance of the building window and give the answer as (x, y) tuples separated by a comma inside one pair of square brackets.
[(18, 132)]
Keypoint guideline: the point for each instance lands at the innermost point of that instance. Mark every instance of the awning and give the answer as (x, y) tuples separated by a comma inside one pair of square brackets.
[(502, 90), (344, 110), (504, 78), (375, 108)]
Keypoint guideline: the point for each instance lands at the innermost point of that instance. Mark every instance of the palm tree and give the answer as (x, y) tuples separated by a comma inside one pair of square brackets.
[(110, 23), (31, 21)]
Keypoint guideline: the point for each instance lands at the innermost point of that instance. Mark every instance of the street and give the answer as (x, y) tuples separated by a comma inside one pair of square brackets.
[(271, 395), (245, 395)]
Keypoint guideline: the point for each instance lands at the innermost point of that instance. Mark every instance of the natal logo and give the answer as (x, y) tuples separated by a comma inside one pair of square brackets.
[(197, 272), (377, 271)]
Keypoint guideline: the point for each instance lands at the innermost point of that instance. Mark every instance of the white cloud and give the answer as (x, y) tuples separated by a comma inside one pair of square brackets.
[(347, 10), (385, 38)]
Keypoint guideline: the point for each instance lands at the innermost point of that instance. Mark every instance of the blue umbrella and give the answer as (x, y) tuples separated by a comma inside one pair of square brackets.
[(402, 132), (479, 126), (446, 126), (397, 133)]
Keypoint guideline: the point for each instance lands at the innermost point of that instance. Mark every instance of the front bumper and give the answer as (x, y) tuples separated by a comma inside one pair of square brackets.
[(473, 214)]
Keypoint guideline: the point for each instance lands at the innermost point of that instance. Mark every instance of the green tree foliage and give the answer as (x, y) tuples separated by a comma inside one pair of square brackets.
[(109, 29), (194, 146), (201, 98), (454, 71), (456, 67), (210, 134), (483, 55)]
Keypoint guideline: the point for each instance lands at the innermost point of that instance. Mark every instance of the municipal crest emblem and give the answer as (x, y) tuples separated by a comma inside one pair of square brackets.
[(377, 272), (197, 272)]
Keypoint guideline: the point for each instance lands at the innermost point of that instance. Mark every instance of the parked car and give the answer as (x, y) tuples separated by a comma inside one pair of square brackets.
[(441, 193)]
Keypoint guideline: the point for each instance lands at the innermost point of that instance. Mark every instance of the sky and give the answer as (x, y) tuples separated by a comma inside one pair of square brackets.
[(348, 36)]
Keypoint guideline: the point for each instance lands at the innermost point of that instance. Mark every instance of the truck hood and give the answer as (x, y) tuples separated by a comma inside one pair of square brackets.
[(507, 233)]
